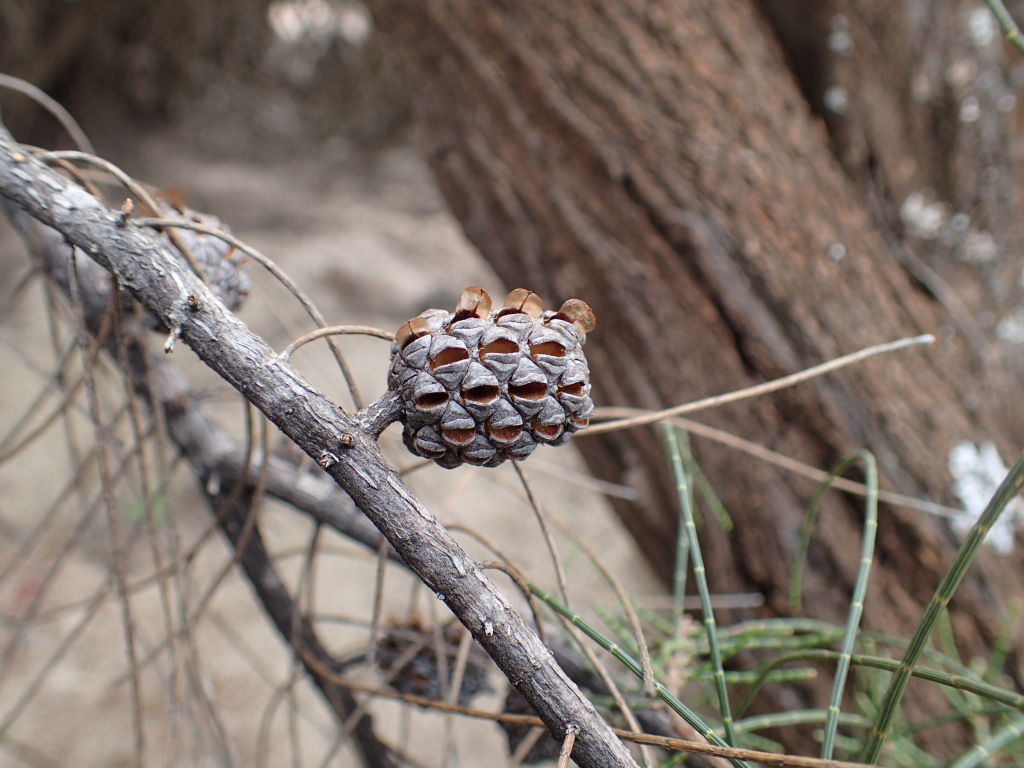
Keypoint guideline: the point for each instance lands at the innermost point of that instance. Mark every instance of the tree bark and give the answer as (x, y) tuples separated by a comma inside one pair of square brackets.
[(150, 60), (658, 159), (920, 108)]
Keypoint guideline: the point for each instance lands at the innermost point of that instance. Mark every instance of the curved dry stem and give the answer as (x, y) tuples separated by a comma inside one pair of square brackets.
[(549, 541), (628, 418), (335, 330), (137, 189), (665, 742), (112, 508), (54, 107), (9, 447), (281, 276), (812, 473)]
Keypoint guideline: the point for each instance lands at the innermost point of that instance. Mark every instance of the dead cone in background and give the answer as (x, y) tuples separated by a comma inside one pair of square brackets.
[(481, 386), (543, 748), (408, 653), (223, 265)]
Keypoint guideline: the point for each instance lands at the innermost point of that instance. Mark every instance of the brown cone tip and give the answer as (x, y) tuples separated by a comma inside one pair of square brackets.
[(579, 313), (506, 361), (174, 197), (527, 302), (473, 302), (411, 330)]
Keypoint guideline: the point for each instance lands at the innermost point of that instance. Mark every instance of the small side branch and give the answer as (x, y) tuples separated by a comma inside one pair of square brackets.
[(379, 415)]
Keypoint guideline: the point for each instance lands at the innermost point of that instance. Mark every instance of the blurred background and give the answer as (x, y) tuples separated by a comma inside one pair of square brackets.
[(740, 190), (287, 122)]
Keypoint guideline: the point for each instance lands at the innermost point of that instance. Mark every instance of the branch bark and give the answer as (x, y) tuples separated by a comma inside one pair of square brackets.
[(226, 475), (156, 278), (215, 457)]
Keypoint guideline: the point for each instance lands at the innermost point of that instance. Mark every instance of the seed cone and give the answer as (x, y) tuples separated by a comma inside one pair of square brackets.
[(408, 652), (481, 385)]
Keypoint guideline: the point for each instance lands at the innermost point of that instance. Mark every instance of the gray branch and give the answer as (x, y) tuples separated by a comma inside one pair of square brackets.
[(216, 458), (227, 476), (159, 280)]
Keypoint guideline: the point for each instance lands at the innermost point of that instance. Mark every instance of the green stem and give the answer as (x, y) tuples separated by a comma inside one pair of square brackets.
[(634, 666), (1006, 492), (1010, 28), (856, 606), (983, 753), (700, 576), (957, 682)]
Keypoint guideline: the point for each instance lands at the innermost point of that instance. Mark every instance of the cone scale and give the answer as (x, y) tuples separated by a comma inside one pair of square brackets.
[(484, 384)]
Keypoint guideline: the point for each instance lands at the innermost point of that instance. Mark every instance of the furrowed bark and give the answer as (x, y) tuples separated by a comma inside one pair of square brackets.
[(656, 158)]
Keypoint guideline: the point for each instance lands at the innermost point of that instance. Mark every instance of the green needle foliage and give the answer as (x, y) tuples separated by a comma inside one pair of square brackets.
[(1000, 740), (634, 666), (1010, 28), (1008, 490), (689, 528), (803, 645), (860, 587)]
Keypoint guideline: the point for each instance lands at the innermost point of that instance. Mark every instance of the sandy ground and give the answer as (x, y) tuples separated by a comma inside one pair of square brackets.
[(367, 236)]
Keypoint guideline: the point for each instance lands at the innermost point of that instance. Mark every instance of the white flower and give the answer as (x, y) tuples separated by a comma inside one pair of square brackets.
[(977, 471), (921, 218)]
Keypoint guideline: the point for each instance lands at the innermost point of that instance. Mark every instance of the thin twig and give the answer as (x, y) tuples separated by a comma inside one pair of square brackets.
[(461, 664), (549, 541), (103, 442), (567, 744), (141, 193), (68, 123), (335, 330), (624, 600), (665, 742), (638, 634), (147, 489), (625, 418), (378, 600), (806, 470), (282, 277)]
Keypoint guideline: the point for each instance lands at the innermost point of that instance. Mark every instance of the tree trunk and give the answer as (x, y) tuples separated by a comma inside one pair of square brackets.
[(921, 110), (107, 58), (658, 159)]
